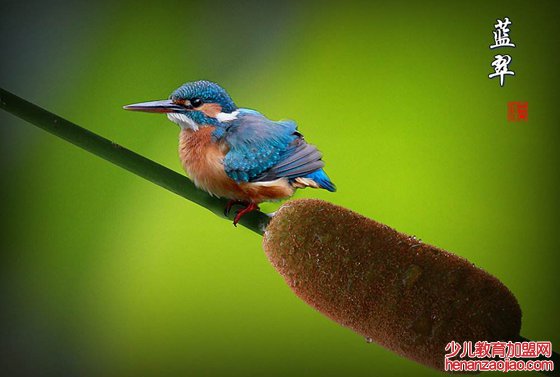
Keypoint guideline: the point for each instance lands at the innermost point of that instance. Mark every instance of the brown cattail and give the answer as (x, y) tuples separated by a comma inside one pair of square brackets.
[(409, 297)]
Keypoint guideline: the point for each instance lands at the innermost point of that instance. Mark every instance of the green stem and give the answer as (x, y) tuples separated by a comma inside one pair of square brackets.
[(118, 155), (137, 164)]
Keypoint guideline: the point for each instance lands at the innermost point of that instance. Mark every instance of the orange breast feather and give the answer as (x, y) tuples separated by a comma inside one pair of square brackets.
[(202, 159)]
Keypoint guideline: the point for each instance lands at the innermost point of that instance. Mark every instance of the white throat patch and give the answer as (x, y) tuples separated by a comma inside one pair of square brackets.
[(183, 121), (227, 117)]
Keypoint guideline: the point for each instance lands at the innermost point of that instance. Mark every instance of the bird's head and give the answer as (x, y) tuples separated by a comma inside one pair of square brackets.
[(192, 105)]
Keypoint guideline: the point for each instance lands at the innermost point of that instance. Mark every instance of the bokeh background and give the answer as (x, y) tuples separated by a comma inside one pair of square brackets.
[(105, 274)]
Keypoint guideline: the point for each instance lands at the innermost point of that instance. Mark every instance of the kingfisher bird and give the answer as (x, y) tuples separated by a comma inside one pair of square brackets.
[(238, 153)]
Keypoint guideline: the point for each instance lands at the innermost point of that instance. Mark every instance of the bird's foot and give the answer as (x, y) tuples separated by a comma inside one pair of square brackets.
[(249, 208), (231, 203)]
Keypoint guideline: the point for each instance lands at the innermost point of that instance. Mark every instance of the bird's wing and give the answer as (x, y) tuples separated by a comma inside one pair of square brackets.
[(264, 150)]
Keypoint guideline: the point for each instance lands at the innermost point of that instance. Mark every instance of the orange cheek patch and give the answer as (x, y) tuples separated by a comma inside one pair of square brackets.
[(210, 109)]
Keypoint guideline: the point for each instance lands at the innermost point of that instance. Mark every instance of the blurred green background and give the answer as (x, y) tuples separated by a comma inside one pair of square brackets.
[(105, 274)]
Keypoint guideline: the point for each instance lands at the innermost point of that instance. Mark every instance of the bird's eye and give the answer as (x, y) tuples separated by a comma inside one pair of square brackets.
[(196, 102)]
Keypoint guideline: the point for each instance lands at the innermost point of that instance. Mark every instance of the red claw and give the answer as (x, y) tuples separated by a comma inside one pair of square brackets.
[(233, 202), (249, 208)]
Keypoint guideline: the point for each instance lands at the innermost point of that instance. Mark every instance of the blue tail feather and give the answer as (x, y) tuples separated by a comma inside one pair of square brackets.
[(322, 179)]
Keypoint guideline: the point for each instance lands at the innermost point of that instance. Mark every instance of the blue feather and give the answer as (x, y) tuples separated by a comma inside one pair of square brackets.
[(207, 91), (264, 150), (321, 178), (256, 144)]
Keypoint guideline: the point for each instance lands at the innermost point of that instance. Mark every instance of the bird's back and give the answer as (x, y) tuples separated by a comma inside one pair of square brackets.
[(261, 150)]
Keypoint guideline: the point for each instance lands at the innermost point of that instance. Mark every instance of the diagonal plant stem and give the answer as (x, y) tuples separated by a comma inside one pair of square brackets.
[(120, 156), (139, 165)]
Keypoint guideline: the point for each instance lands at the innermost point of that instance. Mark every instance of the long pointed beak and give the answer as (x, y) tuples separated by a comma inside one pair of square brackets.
[(163, 106)]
